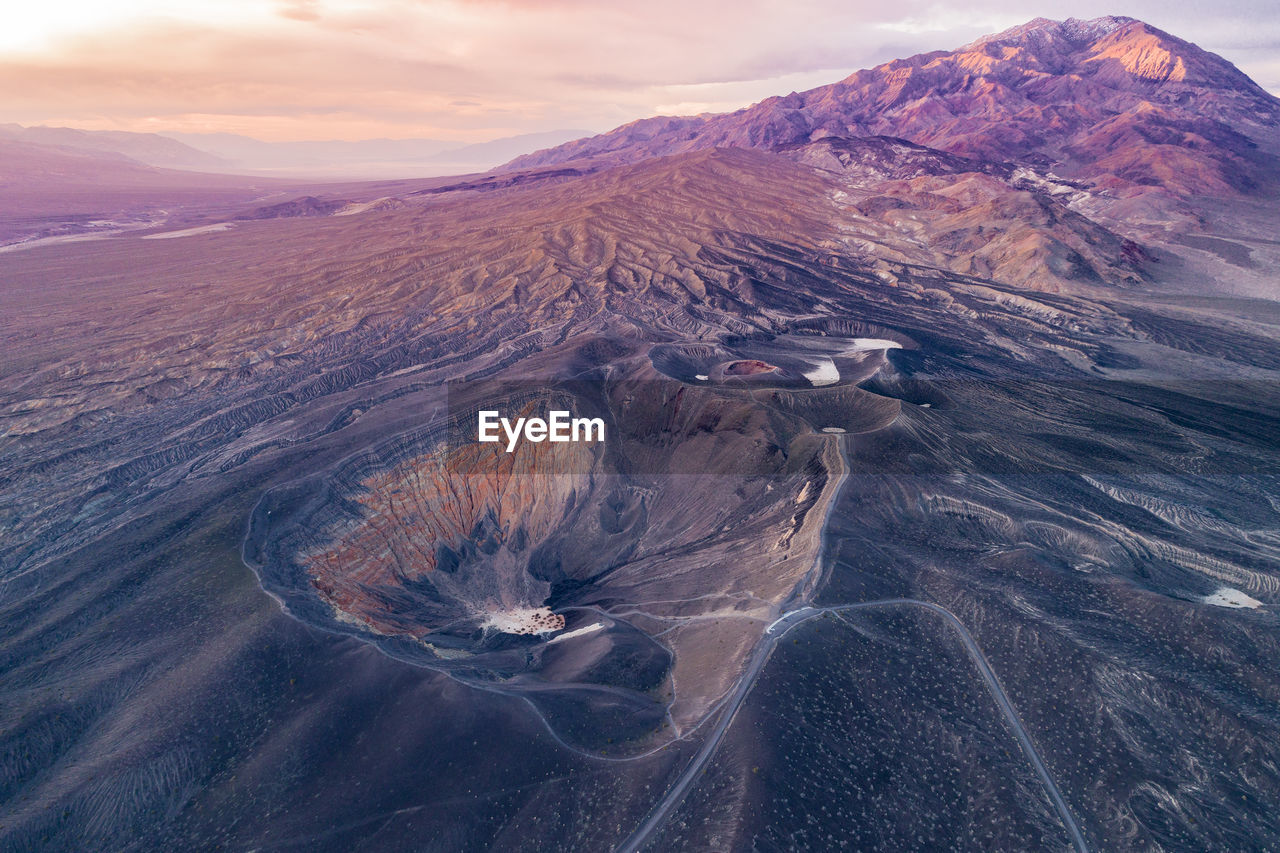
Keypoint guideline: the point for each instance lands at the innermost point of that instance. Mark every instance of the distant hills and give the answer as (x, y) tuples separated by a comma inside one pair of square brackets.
[(149, 149), (367, 158), (236, 154)]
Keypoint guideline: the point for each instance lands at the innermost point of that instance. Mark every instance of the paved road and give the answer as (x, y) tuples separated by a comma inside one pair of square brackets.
[(764, 649)]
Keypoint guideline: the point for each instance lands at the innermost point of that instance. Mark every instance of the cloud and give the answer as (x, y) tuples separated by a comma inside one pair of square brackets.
[(300, 10)]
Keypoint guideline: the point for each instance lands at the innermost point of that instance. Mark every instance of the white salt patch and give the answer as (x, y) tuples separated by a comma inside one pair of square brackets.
[(823, 373), (357, 207), (352, 619), (864, 344), (1228, 597), (523, 620), (447, 654), (190, 232), (701, 376), (62, 238), (577, 632), (402, 371)]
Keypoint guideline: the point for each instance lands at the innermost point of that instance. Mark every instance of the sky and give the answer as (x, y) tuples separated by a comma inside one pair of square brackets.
[(474, 70)]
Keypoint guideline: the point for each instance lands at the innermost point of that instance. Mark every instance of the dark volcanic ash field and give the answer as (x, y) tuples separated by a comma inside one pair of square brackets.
[(260, 590)]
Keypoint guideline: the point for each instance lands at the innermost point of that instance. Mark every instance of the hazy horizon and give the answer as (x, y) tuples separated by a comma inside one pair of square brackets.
[(469, 71)]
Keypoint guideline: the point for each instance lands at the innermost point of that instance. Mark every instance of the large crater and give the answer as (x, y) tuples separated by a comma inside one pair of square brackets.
[(621, 580)]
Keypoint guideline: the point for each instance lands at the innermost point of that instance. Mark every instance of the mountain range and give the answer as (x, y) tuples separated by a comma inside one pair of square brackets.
[(1022, 144), (1114, 101)]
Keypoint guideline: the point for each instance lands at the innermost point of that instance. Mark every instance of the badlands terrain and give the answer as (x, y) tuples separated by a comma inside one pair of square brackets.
[(938, 506)]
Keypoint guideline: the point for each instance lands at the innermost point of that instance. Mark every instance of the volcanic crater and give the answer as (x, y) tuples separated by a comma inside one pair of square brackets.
[(463, 557)]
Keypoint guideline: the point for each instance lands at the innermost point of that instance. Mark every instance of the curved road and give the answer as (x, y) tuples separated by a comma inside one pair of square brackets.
[(764, 649)]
